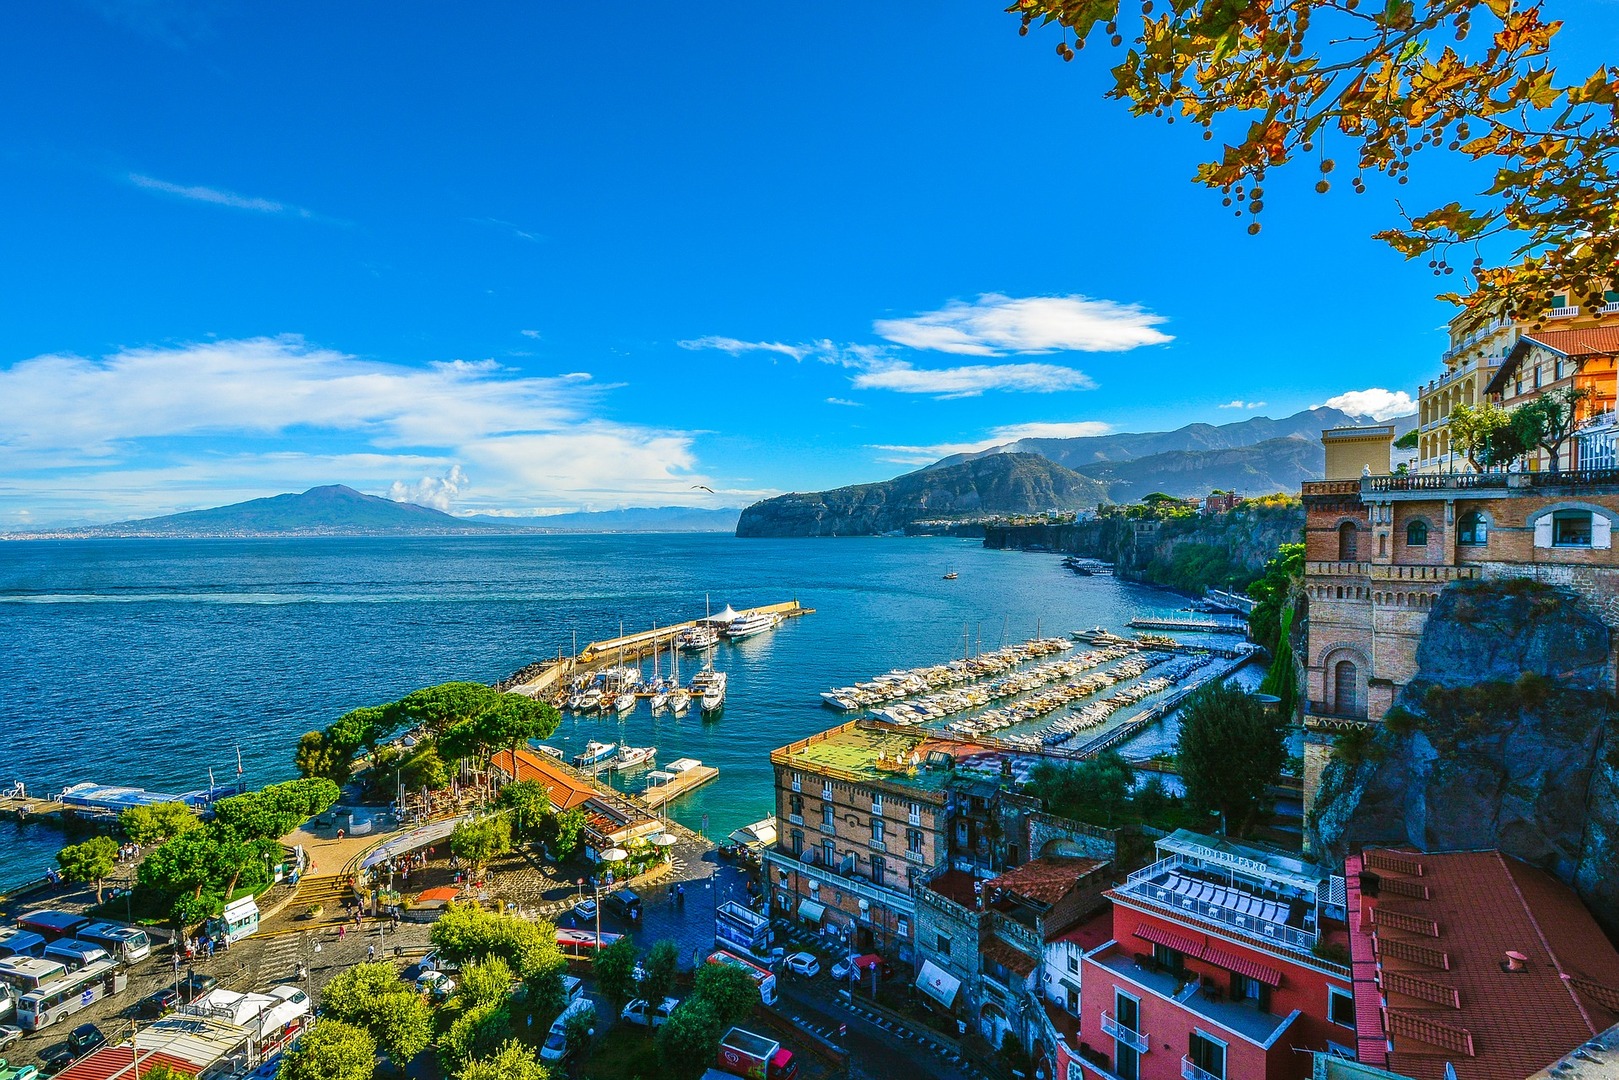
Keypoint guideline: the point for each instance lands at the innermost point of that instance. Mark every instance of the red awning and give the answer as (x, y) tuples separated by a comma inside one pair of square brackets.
[(868, 961), (1242, 965), (1160, 935)]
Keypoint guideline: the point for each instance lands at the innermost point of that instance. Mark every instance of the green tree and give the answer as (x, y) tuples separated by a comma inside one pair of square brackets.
[(1281, 580), (1282, 679), (485, 980), (158, 822), (317, 756), (438, 708), (580, 1028), (513, 1061), (1547, 422), (1229, 752), (529, 804), (659, 969), (1092, 790), (689, 1039), (466, 932), (89, 862), (560, 832), (187, 910), (424, 768), (729, 989), (513, 719), (479, 1032), (402, 1024), (481, 840), (165, 1072), (331, 1050), (185, 862), (1410, 440), (1484, 434), (615, 972)]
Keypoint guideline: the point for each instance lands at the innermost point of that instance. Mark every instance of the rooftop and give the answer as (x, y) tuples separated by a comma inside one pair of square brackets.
[(1437, 933), (1046, 880), (958, 886), (1239, 1017), (874, 752), (567, 790)]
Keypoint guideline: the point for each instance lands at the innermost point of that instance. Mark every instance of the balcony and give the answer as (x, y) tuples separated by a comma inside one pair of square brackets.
[(1242, 1018), (915, 857), (1330, 487), (1173, 884), (1492, 483), (1329, 712), (1192, 1072), (895, 899), (877, 845), (1133, 1039), (796, 819), (829, 828), (1563, 312)]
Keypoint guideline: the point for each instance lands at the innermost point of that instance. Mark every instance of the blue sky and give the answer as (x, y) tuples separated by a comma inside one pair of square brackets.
[(531, 257)]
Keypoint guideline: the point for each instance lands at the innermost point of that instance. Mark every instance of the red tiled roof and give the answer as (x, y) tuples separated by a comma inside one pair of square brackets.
[(1242, 965), (1586, 341), (1046, 880), (116, 1060), (1489, 1023), (1008, 957), (1169, 939), (566, 789)]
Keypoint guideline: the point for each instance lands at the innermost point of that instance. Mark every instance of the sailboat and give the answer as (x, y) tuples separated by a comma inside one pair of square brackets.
[(949, 574), (679, 696), (708, 686)]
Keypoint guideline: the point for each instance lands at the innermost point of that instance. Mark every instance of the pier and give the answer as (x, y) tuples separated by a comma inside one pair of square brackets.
[(1206, 626), (547, 675), (658, 796)]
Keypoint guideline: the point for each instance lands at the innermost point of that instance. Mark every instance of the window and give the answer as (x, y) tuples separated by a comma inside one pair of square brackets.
[(798, 781), (876, 806), (1416, 534), (1244, 988), (830, 851), (1340, 1007), (1073, 963), (1348, 542), (826, 815), (877, 829), (915, 816), (1571, 528), (913, 840), (1206, 1053), (1167, 958), (1475, 530), (798, 842), (795, 805), (942, 945), (826, 790), (879, 868), (1345, 699)]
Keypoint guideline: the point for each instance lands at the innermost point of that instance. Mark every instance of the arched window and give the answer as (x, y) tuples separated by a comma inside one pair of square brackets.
[(1474, 530), (1348, 542), (1416, 534), (1571, 528), (1346, 701)]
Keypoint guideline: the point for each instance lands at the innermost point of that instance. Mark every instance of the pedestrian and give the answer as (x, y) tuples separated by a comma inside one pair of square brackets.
[(370, 952), (341, 928)]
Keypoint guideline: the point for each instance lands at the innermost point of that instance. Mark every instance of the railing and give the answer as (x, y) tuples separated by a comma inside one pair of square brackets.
[(1193, 1072), (796, 819), (1330, 487), (829, 829), (1610, 306), (1321, 708), (914, 856), (1433, 482), (894, 899), (1338, 569), (1129, 1037), (1141, 886), (1017, 935), (877, 845), (1562, 313)]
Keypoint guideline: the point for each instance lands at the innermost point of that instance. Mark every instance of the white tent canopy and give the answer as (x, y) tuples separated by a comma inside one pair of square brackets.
[(725, 618)]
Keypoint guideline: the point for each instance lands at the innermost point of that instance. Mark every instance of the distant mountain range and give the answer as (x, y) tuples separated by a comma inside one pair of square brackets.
[(1258, 456), (336, 510)]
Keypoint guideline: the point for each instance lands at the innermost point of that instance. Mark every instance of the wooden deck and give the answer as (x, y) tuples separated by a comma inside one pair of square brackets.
[(688, 781)]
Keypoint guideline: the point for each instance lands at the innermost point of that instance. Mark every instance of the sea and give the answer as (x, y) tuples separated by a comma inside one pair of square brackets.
[(161, 663)]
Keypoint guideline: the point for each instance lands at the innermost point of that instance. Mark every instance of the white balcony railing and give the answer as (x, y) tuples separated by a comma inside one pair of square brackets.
[(1610, 307), (1193, 1072), (1134, 1039), (1562, 312)]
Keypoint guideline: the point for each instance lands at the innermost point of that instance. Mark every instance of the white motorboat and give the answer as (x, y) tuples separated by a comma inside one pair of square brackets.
[(595, 753), (634, 757), (679, 700), (749, 625), (708, 686), (590, 700), (549, 751), (697, 638), (625, 702), (660, 699)]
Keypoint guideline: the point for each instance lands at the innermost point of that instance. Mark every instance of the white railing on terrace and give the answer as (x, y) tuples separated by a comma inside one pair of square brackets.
[(1610, 306), (1133, 1039), (1562, 312), (1193, 1072), (1141, 885)]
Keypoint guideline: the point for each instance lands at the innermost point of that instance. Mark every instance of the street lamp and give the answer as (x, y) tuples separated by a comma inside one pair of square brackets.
[(1221, 815)]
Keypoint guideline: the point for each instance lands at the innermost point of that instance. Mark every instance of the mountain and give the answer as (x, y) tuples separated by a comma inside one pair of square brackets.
[(323, 511), (999, 484), (630, 519), (1266, 467), (1127, 446)]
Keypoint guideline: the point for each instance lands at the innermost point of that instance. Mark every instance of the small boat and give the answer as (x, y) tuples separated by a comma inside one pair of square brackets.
[(749, 625), (590, 700), (950, 575), (679, 700), (634, 757), (660, 699), (697, 638), (625, 702), (550, 751), (595, 753), (708, 686)]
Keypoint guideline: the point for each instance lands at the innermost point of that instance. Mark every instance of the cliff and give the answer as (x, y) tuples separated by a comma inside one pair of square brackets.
[(1002, 484), (1188, 553), (1504, 739)]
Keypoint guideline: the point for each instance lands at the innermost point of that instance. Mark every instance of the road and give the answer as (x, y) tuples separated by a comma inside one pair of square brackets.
[(878, 1051)]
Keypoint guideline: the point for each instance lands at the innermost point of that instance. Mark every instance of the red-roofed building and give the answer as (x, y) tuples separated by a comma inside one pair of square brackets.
[(1474, 962), (1213, 969), (566, 788)]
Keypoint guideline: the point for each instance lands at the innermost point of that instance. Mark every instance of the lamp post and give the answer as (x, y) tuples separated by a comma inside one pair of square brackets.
[(1221, 815)]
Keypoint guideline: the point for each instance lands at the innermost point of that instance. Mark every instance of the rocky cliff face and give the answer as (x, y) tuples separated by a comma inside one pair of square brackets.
[(1505, 739), (1002, 484)]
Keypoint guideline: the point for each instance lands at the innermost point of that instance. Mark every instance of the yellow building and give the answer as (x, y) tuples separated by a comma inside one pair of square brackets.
[(1480, 342)]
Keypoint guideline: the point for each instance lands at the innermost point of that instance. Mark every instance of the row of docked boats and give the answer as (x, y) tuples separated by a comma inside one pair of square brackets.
[(600, 757), (977, 695), (616, 690), (1096, 713), (904, 683), (1057, 697)]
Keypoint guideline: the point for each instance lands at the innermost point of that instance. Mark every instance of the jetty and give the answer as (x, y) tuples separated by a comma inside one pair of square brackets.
[(547, 676), (679, 777), (1205, 626)]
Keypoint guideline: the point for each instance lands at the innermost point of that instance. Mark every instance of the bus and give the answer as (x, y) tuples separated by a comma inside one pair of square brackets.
[(741, 929), (124, 943), (764, 980), (65, 996), (52, 924), (24, 973), (17, 942)]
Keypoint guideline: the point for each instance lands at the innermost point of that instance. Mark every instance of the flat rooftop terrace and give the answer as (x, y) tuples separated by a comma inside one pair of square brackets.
[(864, 752)]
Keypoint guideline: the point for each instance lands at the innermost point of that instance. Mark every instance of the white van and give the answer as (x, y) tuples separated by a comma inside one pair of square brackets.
[(572, 990), (556, 1040), (75, 954)]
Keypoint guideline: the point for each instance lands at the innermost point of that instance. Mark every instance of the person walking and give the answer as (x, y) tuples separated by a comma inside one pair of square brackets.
[(370, 952)]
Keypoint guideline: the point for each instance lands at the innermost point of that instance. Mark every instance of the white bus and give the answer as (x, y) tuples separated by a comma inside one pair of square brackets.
[(24, 973), (124, 943), (65, 996), (764, 980)]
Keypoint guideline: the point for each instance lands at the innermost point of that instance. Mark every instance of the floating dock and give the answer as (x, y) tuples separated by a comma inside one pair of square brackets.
[(687, 780), (1205, 626)]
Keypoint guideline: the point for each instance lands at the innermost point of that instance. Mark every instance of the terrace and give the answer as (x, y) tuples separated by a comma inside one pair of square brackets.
[(1242, 1018)]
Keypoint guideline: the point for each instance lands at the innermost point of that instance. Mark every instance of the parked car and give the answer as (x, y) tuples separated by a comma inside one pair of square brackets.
[(155, 1005), (623, 903), (58, 1058), (847, 968), (9, 1034), (435, 984), (803, 963), (640, 1011), (85, 1038), (585, 909)]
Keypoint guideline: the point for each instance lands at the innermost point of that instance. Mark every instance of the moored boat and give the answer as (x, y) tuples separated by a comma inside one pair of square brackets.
[(748, 625), (595, 753), (634, 757)]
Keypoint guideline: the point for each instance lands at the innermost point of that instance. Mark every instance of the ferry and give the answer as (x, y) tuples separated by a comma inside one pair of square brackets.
[(749, 625), (595, 753)]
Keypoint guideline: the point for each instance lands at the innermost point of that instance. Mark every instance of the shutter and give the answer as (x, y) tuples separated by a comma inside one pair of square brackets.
[(1543, 532), (1601, 532)]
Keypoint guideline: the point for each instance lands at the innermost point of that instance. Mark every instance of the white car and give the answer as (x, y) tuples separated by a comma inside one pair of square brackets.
[(847, 968), (803, 963), (585, 909), (640, 1011), (437, 984), (8, 1035)]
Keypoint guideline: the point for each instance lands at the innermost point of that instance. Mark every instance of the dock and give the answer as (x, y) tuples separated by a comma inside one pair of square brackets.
[(660, 795), (1206, 626), (547, 675)]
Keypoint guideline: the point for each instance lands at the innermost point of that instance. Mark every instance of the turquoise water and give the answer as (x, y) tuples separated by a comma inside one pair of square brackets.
[(149, 662)]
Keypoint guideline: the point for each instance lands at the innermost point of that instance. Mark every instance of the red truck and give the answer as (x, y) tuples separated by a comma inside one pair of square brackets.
[(742, 1053)]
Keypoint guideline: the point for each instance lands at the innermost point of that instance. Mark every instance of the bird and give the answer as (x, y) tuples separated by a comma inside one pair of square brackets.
[(702, 487)]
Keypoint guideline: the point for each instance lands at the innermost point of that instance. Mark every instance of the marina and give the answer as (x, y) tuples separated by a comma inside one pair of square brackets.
[(1216, 625)]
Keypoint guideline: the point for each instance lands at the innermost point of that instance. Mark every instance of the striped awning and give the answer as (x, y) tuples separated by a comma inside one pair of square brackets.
[(1231, 961), (1169, 939)]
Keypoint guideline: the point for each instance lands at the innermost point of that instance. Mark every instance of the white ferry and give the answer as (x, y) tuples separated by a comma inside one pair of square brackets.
[(749, 625)]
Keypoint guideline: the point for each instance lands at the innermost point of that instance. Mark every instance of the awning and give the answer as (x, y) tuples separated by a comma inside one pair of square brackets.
[(1242, 965), (810, 911), (1159, 935), (938, 984)]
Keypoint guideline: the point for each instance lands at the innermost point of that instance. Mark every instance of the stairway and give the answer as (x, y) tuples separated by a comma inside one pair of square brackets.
[(328, 889)]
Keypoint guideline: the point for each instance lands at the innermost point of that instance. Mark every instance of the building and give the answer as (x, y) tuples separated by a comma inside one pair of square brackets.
[(612, 819), (1473, 966), (207, 1047), (1219, 502), (1224, 961), (1574, 359)]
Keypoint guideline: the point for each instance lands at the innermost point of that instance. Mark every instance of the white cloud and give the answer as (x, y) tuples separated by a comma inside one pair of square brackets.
[(737, 347), (1070, 430), (217, 196), (530, 333), (150, 430), (995, 325), (972, 379), (1238, 403), (439, 492), (1377, 403), (845, 401)]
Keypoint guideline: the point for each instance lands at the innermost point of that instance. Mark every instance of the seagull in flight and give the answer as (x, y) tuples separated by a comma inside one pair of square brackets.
[(702, 487)]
